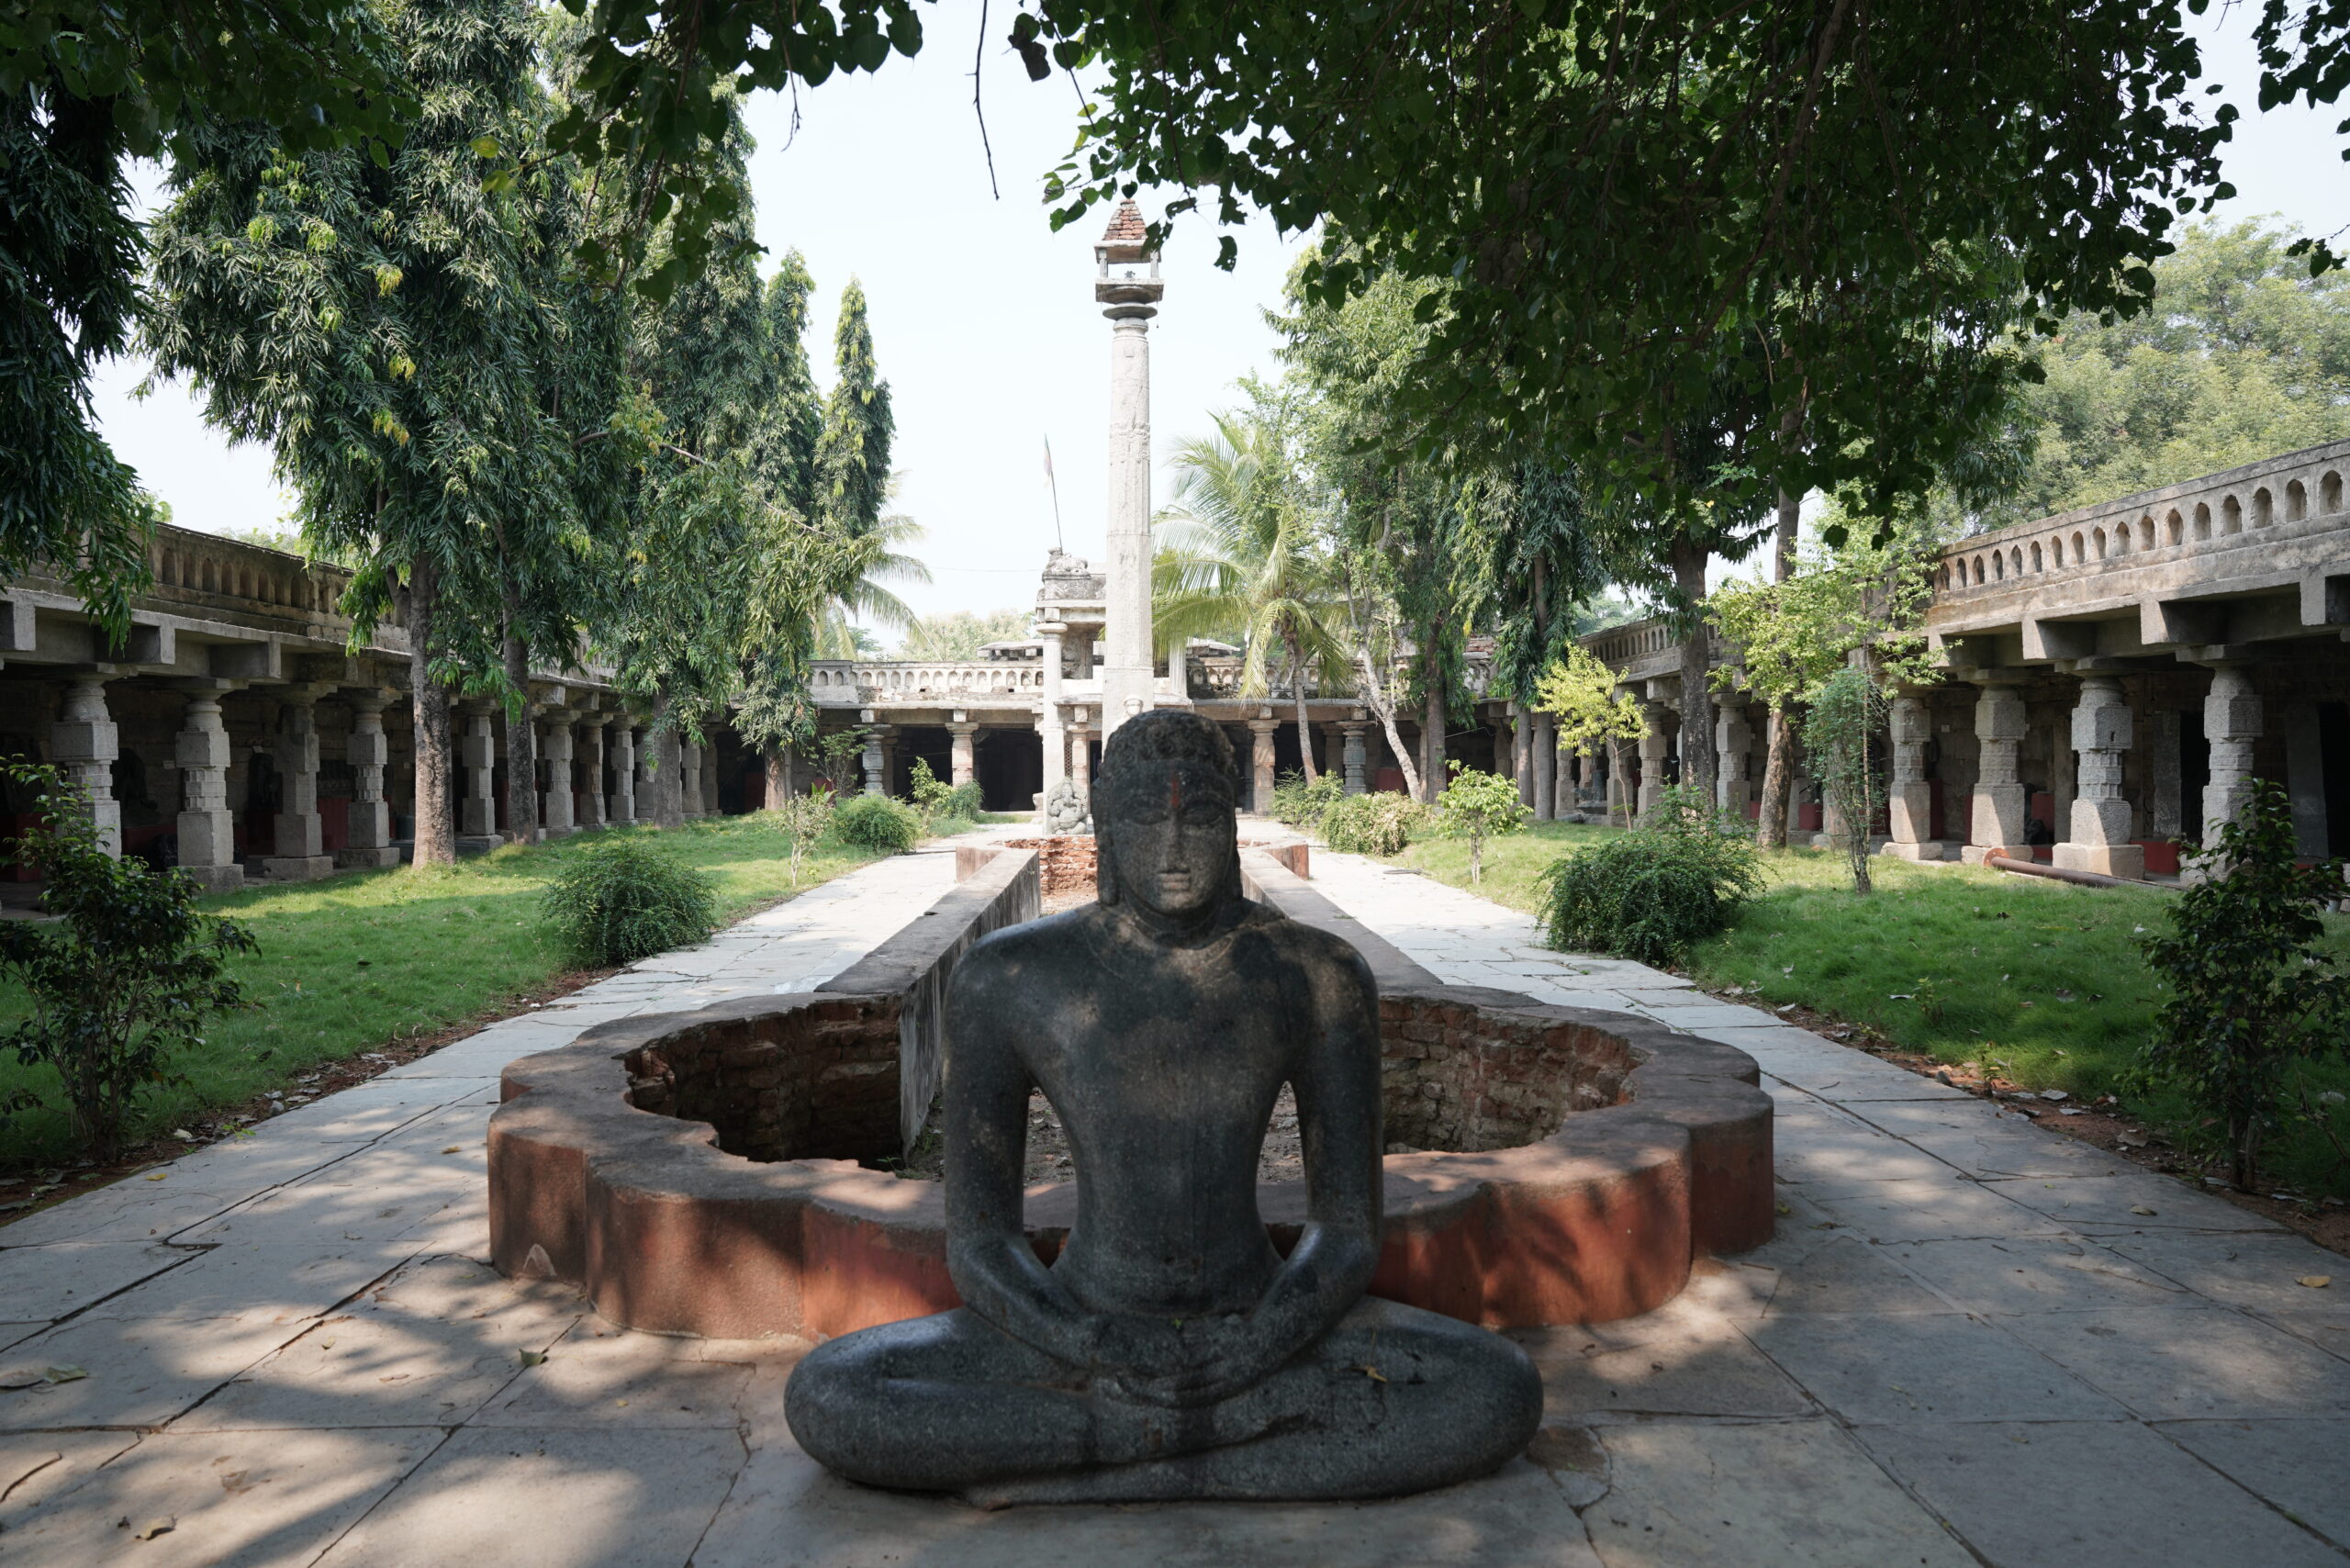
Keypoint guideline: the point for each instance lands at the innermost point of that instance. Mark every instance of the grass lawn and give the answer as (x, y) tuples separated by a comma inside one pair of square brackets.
[(350, 963), (2038, 980)]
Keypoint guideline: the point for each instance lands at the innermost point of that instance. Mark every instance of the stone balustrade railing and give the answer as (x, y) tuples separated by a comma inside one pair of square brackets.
[(848, 683)]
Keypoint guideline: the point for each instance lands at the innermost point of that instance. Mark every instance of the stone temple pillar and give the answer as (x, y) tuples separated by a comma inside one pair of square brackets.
[(1564, 796), (477, 758), (1911, 801), (1353, 757), (1653, 751), (961, 735), (83, 744), (2232, 723), (1048, 713), (876, 782), (591, 764), (1260, 763), (301, 856), (623, 771), (1334, 749), (555, 814), (1733, 742), (1504, 750), (2099, 839), (207, 829), (646, 794), (689, 778), (1128, 289), (1081, 754), (1998, 805), (371, 816), (1546, 768)]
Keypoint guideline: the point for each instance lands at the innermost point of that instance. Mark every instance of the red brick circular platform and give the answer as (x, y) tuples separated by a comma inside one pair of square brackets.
[(697, 1172)]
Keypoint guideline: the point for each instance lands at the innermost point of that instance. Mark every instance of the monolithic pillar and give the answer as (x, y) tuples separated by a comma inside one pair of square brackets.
[(555, 814), (1545, 763), (1334, 750), (1261, 762), (1128, 289), (876, 782), (1998, 804), (2099, 839), (1653, 749), (1564, 795), (477, 760), (2231, 719), (960, 735), (591, 767), (623, 761), (1049, 714), (1911, 801), (1504, 755), (207, 829), (1081, 754), (689, 759), (371, 816), (1351, 754), (83, 744), (301, 854), (1733, 742), (644, 792)]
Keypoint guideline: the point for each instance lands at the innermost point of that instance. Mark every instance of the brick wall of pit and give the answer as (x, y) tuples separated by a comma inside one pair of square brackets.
[(1065, 861), (818, 1083), (1455, 1080)]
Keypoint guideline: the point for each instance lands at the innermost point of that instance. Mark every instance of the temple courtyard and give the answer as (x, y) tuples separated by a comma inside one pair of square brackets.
[(1972, 1340)]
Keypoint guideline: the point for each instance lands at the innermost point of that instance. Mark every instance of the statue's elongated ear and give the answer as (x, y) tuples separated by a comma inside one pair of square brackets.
[(1105, 871)]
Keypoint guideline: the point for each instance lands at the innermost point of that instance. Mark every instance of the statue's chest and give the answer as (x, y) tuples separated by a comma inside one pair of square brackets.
[(1181, 1063)]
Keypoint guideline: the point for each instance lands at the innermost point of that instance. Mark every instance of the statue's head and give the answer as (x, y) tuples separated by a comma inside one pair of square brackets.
[(1163, 823)]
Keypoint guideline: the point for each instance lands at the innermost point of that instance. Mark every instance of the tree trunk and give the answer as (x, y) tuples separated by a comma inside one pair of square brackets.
[(436, 833), (1304, 730), (1696, 664), (1375, 693), (522, 746), (1431, 722), (668, 769), (1771, 824), (780, 787)]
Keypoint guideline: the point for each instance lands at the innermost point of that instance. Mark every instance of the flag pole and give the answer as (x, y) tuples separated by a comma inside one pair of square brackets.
[(1055, 484)]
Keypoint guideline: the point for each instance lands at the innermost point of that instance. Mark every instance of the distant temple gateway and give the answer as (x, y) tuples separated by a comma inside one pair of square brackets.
[(2114, 680)]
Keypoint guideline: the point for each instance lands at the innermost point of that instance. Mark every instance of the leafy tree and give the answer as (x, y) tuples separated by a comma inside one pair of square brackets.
[(853, 478), (961, 634), (1478, 806), (1238, 555), (1846, 710), (1579, 692), (805, 819), (2253, 990), (382, 324), (124, 977)]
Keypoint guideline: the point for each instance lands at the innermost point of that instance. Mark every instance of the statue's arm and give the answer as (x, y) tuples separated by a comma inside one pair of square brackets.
[(1336, 1079), (985, 1121)]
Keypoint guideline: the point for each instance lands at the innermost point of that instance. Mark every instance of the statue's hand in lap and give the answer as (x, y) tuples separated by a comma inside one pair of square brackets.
[(1169, 1351)]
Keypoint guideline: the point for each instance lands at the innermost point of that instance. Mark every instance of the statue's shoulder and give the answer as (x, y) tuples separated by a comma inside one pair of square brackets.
[(1325, 953), (1024, 953)]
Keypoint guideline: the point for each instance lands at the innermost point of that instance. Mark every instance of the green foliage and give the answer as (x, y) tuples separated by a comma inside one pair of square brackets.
[(1579, 692), (1847, 710), (1478, 806), (123, 980), (853, 450), (876, 822), (961, 634), (2252, 991), (1301, 804), (1380, 823), (1651, 893), (931, 794), (628, 898), (805, 819), (965, 800)]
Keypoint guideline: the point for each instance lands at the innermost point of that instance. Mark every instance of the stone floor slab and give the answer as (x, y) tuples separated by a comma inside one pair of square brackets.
[(133, 1209), (600, 1376), (138, 1374), (276, 1284), (2087, 1494), (1838, 1273), (36, 1467), (1931, 1210), (2253, 1270), (49, 1283), (1925, 1368), (2036, 1275), (2139, 1201), (551, 1499), (1973, 1136), (239, 1500), (2300, 1467), (2166, 1364), (1770, 1495), (326, 1216), (1703, 1366)]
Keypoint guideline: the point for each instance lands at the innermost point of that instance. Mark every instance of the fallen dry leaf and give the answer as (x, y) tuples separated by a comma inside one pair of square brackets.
[(156, 1175), (532, 1358), (454, 1148), (2317, 1282), (155, 1528), (2140, 1209)]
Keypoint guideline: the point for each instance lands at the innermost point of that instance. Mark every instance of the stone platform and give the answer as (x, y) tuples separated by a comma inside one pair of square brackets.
[(1967, 1345)]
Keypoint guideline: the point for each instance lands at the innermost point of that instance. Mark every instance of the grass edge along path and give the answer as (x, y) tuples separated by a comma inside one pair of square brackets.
[(2007, 979), (358, 972)]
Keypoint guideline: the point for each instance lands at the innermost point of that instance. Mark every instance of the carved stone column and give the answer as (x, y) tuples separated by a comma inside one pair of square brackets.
[(83, 744), (301, 854), (555, 814), (961, 735), (1334, 749), (1733, 743), (1564, 795), (1352, 755), (689, 764), (1654, 747), (1545, 764), (477, 759), (591, 764), (2100, 838), (1910, 799), (623, 763), (1080, 753), (207, 829), (2232, 723), (1998, 804), (1504, 749), (647, 792), (876, 783), (1049, 720), (1260, 761), (368, 751)]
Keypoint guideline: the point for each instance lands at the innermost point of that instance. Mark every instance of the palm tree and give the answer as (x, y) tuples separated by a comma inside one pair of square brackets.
[(1239, 556), (869, 599)]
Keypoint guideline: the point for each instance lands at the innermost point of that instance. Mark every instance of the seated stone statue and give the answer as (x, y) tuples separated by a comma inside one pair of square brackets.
[(1169, 1351)]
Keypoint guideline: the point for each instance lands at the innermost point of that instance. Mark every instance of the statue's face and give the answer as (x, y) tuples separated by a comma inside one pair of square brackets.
[(1172, 842)]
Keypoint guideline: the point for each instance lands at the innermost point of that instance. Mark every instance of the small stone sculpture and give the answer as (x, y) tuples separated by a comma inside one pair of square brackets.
[(1169, 1351), (1065, 809)]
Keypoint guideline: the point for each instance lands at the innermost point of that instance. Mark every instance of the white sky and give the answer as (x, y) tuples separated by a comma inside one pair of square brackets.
[(984, 320)]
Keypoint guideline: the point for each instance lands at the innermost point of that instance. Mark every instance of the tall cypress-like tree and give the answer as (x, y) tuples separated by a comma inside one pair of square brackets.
[(853, 454), (377, 323), (793, 411)]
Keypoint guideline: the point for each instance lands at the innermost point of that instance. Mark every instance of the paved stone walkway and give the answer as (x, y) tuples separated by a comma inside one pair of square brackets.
[(1967, 1336)]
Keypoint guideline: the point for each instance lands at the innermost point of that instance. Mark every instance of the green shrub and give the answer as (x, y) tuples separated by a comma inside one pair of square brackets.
[(964, 801), (930, 795), (2252, 991), (620, 900), (876, 822), (1478, 806), (125, 977), (807, 818), (1651, 893), (1303, 805), (1372, 824)]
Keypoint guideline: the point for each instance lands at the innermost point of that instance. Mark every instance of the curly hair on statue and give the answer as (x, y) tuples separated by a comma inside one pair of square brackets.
[(1167, 734)]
